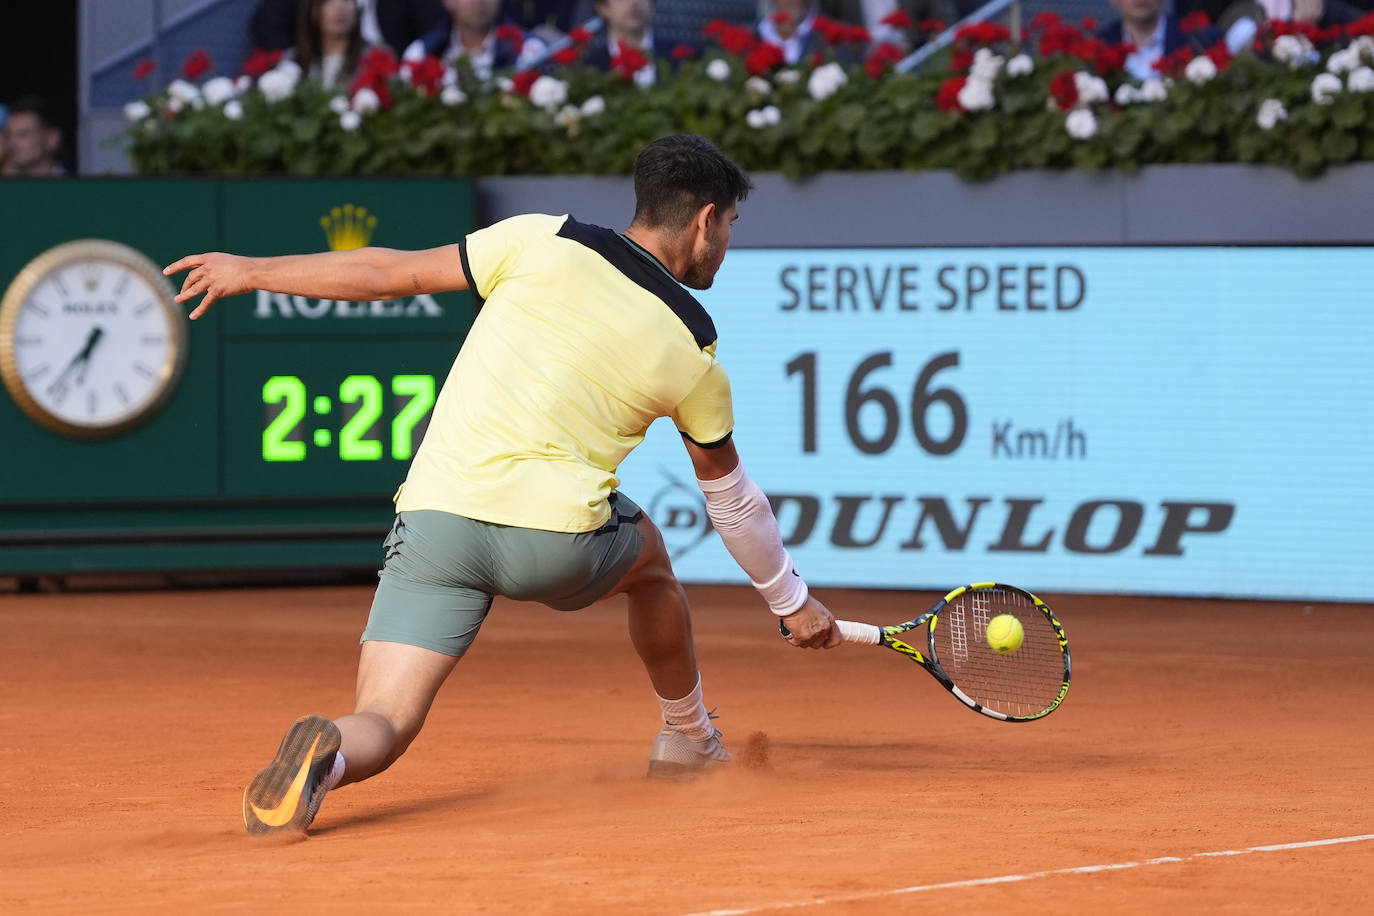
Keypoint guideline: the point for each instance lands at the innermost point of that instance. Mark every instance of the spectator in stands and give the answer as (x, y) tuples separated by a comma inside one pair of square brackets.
[(470, 40), (626, 23), (329, 41), (548, 19), (790, 24), (877, 17), (1154, 33), (32, 139), (393, 23), (1321, 13), (1241, 19)]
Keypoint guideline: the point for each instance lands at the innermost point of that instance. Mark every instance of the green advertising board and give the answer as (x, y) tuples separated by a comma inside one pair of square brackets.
[(270, 433)]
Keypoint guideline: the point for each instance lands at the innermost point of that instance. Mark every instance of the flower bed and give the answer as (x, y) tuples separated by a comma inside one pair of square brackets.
[(1302, 98)]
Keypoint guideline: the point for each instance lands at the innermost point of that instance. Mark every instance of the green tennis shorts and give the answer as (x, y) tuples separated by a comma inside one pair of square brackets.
[(441, 571)]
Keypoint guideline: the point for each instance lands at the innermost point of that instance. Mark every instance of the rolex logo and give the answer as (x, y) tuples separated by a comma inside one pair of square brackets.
[(90, 276), (348, 227)]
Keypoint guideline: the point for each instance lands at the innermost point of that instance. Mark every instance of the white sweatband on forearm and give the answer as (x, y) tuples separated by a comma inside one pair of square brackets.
[(740, 512)]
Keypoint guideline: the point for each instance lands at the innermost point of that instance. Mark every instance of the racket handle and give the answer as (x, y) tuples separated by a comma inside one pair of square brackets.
[(865, 634)]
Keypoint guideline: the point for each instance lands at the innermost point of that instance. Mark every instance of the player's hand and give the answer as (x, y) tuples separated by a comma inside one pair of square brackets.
[(216, 274), (812, 627)]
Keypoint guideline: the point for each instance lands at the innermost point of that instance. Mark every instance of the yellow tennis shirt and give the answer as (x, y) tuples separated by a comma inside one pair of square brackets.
[(582, 339)]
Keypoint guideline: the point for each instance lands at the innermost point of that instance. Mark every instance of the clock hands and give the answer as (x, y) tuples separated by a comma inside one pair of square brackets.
[(79, 364)]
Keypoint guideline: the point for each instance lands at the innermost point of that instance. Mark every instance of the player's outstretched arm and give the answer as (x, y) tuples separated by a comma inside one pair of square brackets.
[(360, 275), (739, 511)]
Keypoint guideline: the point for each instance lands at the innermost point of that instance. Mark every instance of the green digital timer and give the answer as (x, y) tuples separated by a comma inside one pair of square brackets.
[(334, 417)]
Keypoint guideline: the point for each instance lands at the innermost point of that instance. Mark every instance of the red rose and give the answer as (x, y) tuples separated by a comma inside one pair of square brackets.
[(931, 25), (144, 69), (1045, 20), (882, 58), (737, 40), (381, 62), (857, 34), (1064, 89), (960, 60), (714, 27), (1195, 21), (260, 61), (947, 99), (780, 18), (684, 52), (567, 56), (524, 80), (427, 74), (833, 32), (580, 36), (1362, 26), (898, 19), (1089, 24), (629, 61), (197, 64), (1220, 55), (512, 35), (764, 58)]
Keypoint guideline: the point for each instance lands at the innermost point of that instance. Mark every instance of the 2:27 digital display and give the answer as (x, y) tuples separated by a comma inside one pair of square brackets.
[(363, 400)]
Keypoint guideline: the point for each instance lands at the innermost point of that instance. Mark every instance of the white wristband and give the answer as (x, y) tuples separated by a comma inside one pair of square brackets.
[(787, 592)]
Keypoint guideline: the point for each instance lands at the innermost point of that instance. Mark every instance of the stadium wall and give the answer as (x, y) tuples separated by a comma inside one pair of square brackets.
[(1153, 384)]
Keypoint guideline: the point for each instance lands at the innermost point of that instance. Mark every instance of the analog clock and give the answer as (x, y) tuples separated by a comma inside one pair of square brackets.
[(92, 341)]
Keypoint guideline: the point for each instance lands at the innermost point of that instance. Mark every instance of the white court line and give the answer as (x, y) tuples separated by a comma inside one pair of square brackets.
[(1030, 876)]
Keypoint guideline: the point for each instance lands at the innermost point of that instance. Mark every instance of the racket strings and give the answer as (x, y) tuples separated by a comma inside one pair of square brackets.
[(1021, 683)]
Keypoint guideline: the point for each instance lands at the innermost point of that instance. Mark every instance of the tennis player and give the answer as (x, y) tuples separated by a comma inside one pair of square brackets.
[(584, 336)]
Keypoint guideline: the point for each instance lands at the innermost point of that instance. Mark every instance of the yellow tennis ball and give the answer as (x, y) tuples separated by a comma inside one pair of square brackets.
[(1005, 634)]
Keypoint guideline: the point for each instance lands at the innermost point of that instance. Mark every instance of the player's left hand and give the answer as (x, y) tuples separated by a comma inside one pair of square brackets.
[(812, 627), (216, 274)]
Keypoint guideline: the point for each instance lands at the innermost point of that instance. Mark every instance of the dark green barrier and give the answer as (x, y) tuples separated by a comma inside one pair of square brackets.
[(292, 421)]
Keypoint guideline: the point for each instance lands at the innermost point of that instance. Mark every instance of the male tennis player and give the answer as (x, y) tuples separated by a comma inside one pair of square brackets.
[(584, 337)]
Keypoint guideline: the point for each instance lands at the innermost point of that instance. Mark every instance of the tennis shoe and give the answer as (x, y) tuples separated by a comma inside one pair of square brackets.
[(287, 795), (675, 756)]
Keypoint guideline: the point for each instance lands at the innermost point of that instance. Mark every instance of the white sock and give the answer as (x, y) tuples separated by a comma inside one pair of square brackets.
[(688, 715), (336, 774)]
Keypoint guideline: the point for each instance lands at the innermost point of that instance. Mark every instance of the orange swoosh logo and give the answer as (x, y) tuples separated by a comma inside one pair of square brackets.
[(283, 812)]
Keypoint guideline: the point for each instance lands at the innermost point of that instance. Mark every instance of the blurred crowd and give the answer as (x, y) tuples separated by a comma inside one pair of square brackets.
[(478, 39)]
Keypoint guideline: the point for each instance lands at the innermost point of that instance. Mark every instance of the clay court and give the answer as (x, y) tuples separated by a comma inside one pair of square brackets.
[(1193, 728)]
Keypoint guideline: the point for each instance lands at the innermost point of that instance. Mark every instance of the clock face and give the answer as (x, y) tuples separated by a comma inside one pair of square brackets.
[(91, 340)]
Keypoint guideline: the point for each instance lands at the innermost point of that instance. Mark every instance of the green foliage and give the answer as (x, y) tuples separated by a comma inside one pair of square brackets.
[(891, 121)]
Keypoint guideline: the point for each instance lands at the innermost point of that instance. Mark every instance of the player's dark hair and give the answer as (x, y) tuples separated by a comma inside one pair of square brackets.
[(676, 176)]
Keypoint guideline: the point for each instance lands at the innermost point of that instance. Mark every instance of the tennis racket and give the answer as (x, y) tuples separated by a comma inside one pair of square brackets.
[(1019, 686)]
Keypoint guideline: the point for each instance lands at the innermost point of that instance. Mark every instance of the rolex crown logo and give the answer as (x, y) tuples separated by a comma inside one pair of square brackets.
[(90, 276), (348, 227)]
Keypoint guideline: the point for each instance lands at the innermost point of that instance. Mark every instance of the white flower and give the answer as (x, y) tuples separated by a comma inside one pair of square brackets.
[(1294, 50), (718, 70), (452, 95), (366, 100), (755, 119), (1201, 69), (1361, 79), (1343, 61), (176, 105), (1091, 89), (787, 77), (276, 85), (771, 114), (1324, 86), (1271, 112), (826, 80), (1153, 90), (243, 84), (136, 111), (548, 92), (338, 104), (976, 95), (986, 65), (593, 106), (233, 110), (568, 116), (1020, 65), (183, 92), (758, 86), (218, 90), (405, 71), (291, 70), (505, 84), (1363, 47), (350, 120), (645, 76), (1126, 94), (1081, 124)]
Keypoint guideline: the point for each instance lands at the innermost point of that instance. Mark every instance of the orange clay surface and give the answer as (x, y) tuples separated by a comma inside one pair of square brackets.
[(132, 720)]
